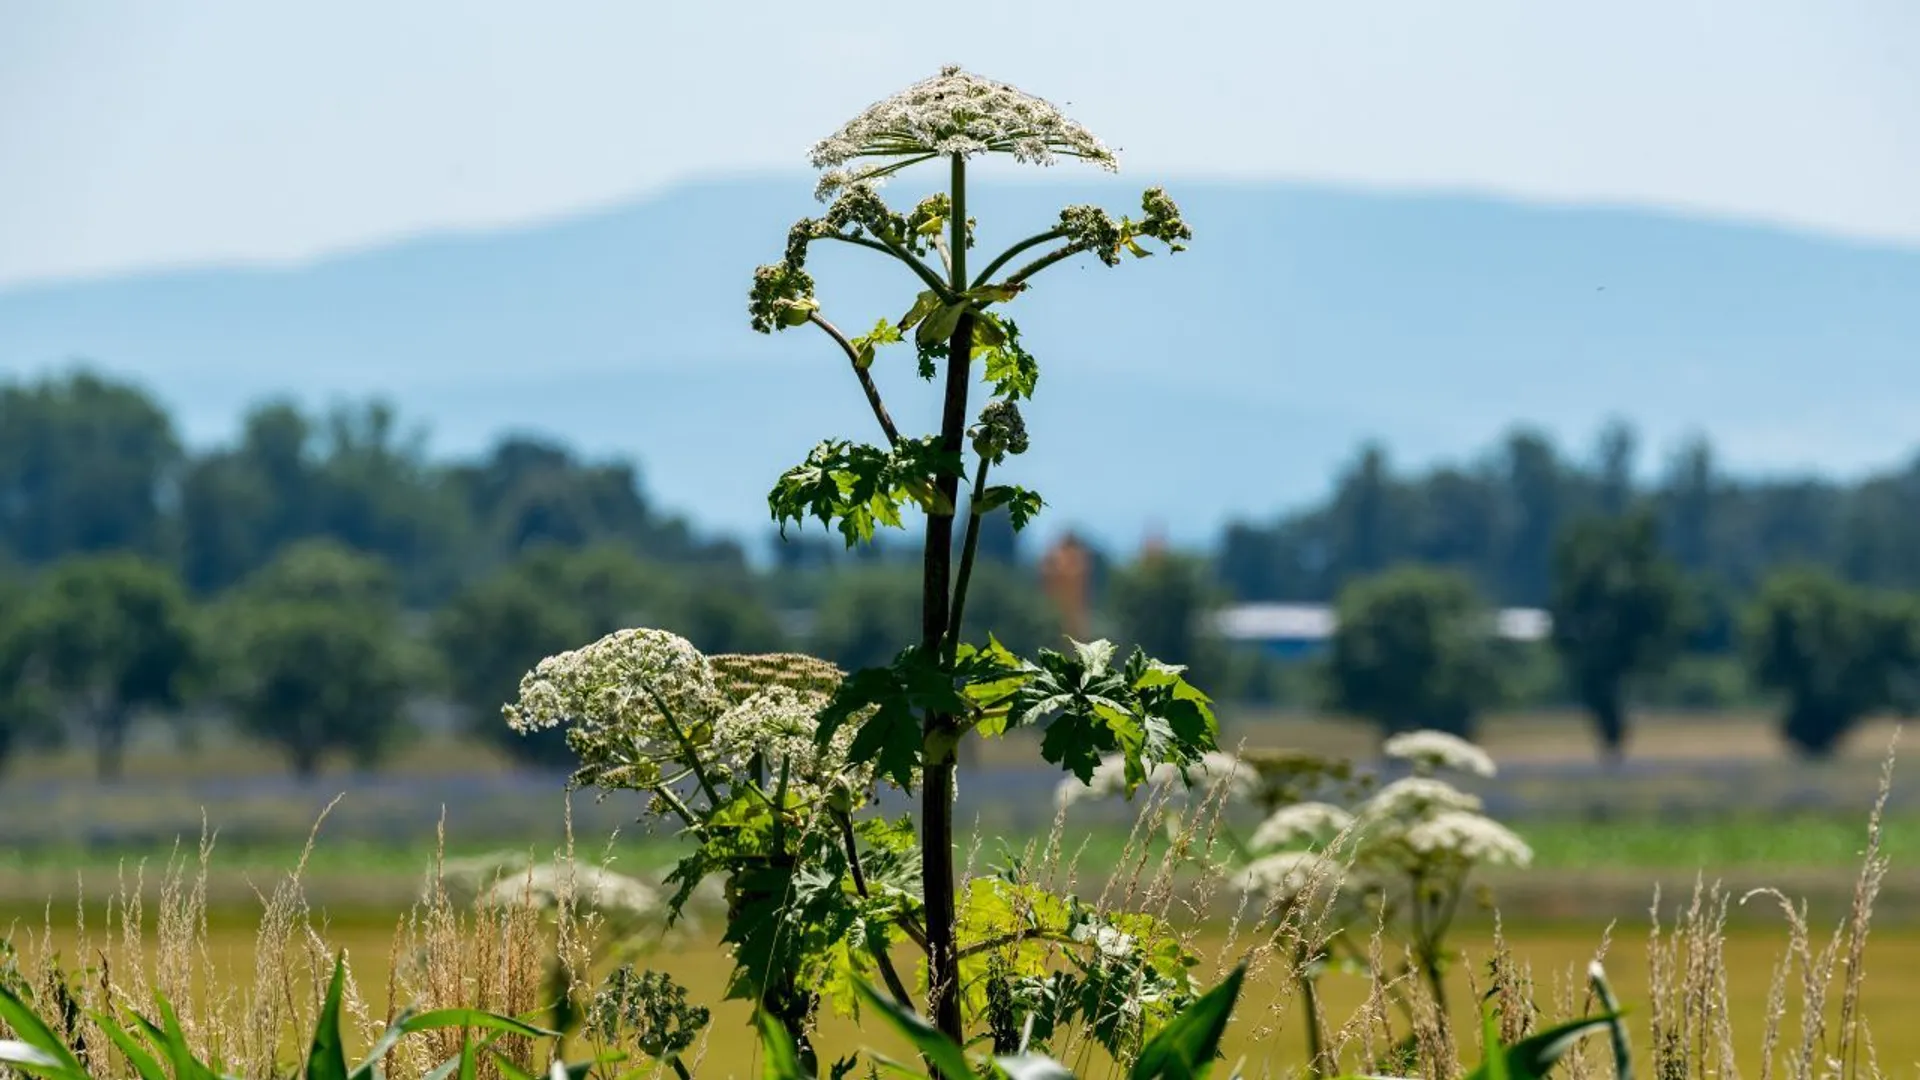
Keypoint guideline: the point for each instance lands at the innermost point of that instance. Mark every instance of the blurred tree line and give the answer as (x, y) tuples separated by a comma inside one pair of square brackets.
[(312, 583)]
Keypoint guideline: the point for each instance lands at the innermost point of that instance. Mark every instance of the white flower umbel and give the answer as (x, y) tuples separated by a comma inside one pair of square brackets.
[(957, 112), (777, 724), (1431, 751), (622, 900), (1300, 823), (1110, 778), (1414, 798), (1287, 875), (1466, 837), (624, 679)]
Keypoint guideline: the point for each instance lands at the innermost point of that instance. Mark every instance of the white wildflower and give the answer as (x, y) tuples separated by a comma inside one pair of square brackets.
[(956, 112), (624, 901), (622, 680), (1110, 778), (1301, 823), (1287, 875), (1414, 798), (1469, 838), (778, 725), (1430, 751)]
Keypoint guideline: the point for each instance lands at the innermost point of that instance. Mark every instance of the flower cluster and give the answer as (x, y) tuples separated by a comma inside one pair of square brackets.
[(1313, 823), (650, 1008), (956, 112), (1433, 751), (1109, 780), (1412, 798), (782, 296), (1163, 221), (1466, 837), (1288, 875), (644, 708), (621, 900), (1000, 431), (1089, 228), (1418, 824)]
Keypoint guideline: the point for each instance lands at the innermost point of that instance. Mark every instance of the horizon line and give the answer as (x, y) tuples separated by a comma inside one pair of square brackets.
[(635, 198)]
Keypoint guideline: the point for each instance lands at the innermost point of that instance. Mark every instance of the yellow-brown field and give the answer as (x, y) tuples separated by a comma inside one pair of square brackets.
[(1267, 1028)]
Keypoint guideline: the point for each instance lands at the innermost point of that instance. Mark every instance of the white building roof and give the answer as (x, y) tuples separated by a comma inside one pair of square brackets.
[(1316, 622)]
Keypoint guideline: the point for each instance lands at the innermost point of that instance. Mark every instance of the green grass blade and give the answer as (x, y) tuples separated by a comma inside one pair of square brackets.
[(327, 1059), (510, 1068), (1533, 1057), (473, 1018), (781, 1057), (390, 1038), (1186, 1047), (33, 1033), (32, 1059), (949, 1059), (1622, 1050), (1494, 1064), (144, 1063)]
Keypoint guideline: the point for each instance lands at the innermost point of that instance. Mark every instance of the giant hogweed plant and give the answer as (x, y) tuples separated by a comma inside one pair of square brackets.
[(1332, 880), (770, 764)]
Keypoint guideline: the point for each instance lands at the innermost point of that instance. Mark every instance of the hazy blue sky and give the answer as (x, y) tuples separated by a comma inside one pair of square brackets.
[(141, 133)]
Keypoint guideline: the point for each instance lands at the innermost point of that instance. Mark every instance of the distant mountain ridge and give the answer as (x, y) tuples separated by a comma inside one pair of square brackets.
[(1226, 381)]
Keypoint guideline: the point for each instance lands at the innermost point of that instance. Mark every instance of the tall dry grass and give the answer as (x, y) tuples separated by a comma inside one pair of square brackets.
[(452, 949)]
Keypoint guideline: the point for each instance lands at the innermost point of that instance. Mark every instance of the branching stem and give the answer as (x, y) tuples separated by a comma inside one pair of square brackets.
[(861, 373), (968, 547), (1020, 276), (886, 247), (1007, 255)]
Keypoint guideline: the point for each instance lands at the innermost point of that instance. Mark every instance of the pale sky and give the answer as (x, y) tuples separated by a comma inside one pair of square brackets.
[(140, 133)]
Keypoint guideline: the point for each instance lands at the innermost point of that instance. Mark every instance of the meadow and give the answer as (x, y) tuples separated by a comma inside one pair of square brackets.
[(1593, 878)]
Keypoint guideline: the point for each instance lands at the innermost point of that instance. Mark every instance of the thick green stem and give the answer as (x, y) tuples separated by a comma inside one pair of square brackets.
[(968, 547), (1007, 255), (1020, 276), (937, 731)]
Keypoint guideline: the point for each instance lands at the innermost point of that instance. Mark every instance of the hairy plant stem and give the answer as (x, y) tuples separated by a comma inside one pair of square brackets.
[(938, 729)]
